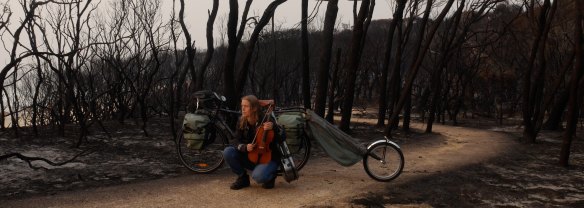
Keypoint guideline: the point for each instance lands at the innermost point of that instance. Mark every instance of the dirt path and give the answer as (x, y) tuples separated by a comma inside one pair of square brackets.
[(322, 181)]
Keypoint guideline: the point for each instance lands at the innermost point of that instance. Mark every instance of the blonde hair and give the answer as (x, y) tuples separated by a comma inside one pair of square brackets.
[(255, 111)]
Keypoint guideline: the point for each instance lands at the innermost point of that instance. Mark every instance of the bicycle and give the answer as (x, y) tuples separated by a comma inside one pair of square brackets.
[(383, 160), (210, 157)]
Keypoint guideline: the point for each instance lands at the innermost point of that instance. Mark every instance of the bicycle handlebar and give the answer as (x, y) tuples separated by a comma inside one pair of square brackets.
[(290, 109), (222, 99)]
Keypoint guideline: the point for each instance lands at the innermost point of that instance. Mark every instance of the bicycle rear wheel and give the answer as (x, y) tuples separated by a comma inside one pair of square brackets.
[(384, 161), (301, 154), (205, 160)]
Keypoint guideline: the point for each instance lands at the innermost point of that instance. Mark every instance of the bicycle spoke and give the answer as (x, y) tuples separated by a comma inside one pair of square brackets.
[(207, 159), (384, 162)]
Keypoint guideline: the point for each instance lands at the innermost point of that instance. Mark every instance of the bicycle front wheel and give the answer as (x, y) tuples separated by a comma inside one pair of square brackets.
[(384, 161), (207, 159)]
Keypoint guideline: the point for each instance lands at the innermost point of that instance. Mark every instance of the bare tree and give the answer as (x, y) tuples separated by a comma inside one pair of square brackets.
[(397, 20), (305, 61), (35, 105), (456, 32), (325, 57), (189, 44), (174, 88), (436, 77), (118, 57), (234, 38), (80, 16), (421, 51), (30, 12), (534, 76), (190, 52), (331, 97), (147, 13), (576, 84), (210, 46), (353, 63), (5, 15), (244, 69), (403, 38), (554, 119)]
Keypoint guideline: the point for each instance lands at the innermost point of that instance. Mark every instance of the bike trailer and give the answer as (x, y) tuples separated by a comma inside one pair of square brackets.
[(337, 144), (194, 130)]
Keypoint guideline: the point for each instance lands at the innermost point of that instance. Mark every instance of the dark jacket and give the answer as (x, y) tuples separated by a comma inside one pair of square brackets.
[(245, 136)]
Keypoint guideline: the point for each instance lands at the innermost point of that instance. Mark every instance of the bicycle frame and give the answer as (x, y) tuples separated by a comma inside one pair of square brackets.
[(220, 116), (222, 125)]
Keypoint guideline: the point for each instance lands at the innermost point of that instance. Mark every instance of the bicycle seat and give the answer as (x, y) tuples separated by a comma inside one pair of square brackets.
[(265, 103), (206, 95)]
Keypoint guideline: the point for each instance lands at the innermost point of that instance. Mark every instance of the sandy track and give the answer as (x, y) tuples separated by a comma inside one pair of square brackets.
[(322, 182)]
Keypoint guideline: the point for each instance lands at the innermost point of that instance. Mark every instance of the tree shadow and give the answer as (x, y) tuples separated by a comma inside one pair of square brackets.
[(525, 177)]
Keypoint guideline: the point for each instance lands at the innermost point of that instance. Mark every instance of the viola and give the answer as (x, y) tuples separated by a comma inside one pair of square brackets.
[(262, 153)]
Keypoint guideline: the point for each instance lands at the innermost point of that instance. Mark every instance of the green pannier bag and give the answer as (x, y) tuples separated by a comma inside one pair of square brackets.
[(293, 123), (194, 130)]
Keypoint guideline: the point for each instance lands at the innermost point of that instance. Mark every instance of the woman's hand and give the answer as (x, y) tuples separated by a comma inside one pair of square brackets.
[(268, 126), (250, 147)]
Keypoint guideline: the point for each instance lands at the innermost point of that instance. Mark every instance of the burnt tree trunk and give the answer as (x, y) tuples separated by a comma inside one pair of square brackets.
[(407, 111), (555, 116), (234, 38), (190, 67), (229, 68), (325, 58), (397, 19), (35, 102), (533, 80), (395, 77), (199, 84), (331, 98), (174, 98), (305, 60), (436, 83), (554, 120), (353, 65), (421, 51), (576, 81), (244, 69)]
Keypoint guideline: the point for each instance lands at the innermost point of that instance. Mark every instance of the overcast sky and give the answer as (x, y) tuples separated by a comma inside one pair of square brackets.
[(287, 15)]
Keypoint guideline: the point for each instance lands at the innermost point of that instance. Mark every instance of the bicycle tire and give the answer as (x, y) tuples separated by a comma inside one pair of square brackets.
[(302, 154), (206, 160), (390, 158)]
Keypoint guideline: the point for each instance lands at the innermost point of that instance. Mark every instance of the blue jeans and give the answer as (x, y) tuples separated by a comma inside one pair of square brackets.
[(238, 162)]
